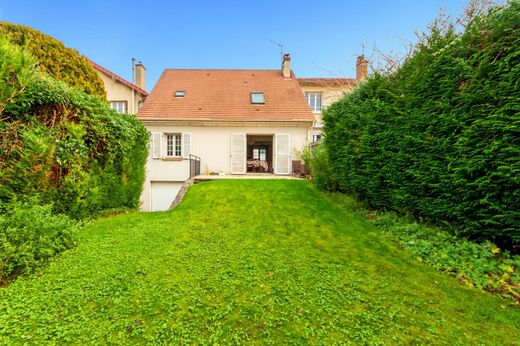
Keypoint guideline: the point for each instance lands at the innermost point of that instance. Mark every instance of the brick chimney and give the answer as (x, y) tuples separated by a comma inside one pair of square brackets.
[(361, 68), (140, 76), (286, 66)]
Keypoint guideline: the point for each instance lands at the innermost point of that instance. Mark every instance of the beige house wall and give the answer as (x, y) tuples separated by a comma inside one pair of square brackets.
[(330, 94), (117, 91), (212, 143)]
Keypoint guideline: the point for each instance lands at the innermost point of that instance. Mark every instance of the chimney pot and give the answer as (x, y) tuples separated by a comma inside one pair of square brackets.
[(286, 66), (361, 68)]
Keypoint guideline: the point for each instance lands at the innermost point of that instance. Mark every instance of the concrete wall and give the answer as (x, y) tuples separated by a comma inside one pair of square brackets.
[(163, 194), (117, 91), (213, 145)]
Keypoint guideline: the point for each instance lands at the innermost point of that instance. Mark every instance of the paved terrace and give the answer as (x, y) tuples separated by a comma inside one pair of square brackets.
[(244, 176)]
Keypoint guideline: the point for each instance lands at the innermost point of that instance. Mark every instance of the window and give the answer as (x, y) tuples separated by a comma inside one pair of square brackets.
[(314, 100), (119, 106), (316, 136), (257, 98), (173, 145), (260, 154), (179, 93)]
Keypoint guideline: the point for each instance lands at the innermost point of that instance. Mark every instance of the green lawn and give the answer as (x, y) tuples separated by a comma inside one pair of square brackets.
[(250, 261)]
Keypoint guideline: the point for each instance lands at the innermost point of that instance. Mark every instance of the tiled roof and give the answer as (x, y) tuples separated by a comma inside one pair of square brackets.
[(351, 82), (116, 77), (225, 95)]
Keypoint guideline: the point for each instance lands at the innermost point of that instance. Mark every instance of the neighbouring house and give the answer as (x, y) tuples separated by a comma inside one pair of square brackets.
[(208, 121), (124, 96), (322, 92)]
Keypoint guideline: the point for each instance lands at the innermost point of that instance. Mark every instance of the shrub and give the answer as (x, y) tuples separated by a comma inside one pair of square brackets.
[(31, 234), (16, 68), (317, 160), (439, 138), (71, 149), (66, 147), (60, 62)]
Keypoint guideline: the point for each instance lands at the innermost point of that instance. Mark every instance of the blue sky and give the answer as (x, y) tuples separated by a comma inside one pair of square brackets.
[(323, 37)]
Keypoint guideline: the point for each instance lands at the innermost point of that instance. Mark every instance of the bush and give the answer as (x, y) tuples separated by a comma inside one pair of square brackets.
[(70, 149), (62, 63), (31, 234), (16, 69), (66, 147), (440, 137), (317, 160)]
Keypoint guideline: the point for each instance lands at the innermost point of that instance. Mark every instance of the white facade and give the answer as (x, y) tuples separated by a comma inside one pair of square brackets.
[(221, 147)]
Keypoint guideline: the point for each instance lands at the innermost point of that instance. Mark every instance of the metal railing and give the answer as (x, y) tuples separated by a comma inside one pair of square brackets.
[(194, 166)]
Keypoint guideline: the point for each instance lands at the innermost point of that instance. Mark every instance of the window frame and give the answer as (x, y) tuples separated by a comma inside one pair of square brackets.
[(123, 102), (173, 148), (180, 93), (257, 93), (312, 97), (315, 136)]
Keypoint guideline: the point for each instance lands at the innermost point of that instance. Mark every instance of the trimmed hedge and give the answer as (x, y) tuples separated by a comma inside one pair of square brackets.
[(62, 63), (64, 155), (440, 137), (71, 149)]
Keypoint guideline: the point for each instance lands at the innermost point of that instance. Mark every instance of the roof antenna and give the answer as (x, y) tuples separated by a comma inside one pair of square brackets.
[(279, 45), (133, 70)]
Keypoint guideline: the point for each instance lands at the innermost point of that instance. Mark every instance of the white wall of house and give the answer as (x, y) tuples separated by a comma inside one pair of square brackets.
[(210, 142), (161, 193), (119, 92)]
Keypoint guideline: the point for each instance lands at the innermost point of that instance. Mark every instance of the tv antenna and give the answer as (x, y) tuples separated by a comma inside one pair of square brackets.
[(279, 45)]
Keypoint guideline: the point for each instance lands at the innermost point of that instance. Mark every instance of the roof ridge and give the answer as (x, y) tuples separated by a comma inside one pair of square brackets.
[(119, 78), (218, 69)]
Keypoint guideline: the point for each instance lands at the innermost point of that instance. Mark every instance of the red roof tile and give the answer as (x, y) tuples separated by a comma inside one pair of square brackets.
[(226, 95), (115, 76)]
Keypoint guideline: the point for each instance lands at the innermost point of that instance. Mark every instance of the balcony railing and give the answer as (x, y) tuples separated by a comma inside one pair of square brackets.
[(194, 166)]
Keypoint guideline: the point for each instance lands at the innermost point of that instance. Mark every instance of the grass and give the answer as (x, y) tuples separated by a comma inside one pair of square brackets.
[(247, 262)]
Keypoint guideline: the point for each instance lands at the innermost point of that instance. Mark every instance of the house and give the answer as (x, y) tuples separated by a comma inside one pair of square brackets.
[(124, 96), (322, 92), (208, 121), (235, 121)]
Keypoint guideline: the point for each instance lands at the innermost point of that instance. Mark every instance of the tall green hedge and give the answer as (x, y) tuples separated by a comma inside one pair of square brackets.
[(440, 137), (64, 145), (62, 63)]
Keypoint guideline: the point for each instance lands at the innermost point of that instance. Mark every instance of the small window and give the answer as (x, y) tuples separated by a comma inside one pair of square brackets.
[(260, 154), (119, 106), (257, 98), (316, 136), (179, 93), (173, 145), (314, 100)]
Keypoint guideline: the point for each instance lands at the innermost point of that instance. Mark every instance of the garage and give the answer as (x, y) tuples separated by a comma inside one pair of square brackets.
[(163, 194)]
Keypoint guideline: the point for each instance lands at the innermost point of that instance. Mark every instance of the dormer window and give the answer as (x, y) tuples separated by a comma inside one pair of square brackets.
[(257, 98), (179, 93)]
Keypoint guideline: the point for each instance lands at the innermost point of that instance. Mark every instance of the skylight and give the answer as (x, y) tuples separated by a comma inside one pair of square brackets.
[(179, 93), (257, 98)]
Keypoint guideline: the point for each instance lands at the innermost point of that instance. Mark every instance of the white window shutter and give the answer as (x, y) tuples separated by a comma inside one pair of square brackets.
[(282, 154), (156, 145), (238, 153), (186, 145)]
